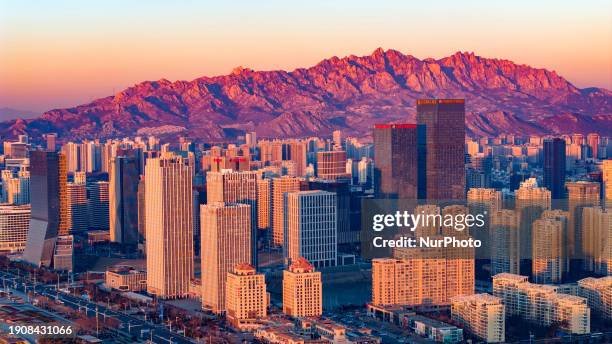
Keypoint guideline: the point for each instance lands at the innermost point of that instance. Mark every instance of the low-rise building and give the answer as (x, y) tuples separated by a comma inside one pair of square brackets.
[(126, 278), (483, 315)]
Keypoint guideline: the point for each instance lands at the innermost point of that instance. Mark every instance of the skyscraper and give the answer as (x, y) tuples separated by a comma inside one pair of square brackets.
[(607, 180), (554, 167), (444, 120), (311, 227), (226, 242), (49, 207), (77, 207), (123, 198), (236, 187), (98, 205), (302, 290), (169, 226), (279, 187), (397, 167)]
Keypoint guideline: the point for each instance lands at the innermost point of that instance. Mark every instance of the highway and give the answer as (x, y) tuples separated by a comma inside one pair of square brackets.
[(128, 324)]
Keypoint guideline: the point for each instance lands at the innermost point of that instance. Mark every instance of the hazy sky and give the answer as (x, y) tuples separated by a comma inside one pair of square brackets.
[(64, 53)]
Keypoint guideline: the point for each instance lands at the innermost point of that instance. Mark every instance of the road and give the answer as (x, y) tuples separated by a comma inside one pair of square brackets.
[(129, 325)]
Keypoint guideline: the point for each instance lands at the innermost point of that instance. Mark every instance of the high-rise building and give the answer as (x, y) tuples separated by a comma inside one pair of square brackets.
[(554, 167), (14, 223), (302, 290), (77, 207), (49, 207), (142, 232), (504, 242), (169, 226), (246, 299), (580, 194), (98, 205), (444, 120), (398, 151), (542, 304), (331, 165), (280, 186), (606, 168), (598, 292), (236, 187), (347, 234), (51, 139), (597, 240), (123, 198), (311, 227), (225, 243), (531, 201), (483, 315), (15, 189), (264, 204), (421, 277), (548, 257)]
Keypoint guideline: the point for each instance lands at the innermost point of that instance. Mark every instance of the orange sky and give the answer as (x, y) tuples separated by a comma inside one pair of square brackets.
[(60, 54)]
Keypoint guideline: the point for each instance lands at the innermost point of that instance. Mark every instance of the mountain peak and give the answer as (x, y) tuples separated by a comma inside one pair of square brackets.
[(349, 93)]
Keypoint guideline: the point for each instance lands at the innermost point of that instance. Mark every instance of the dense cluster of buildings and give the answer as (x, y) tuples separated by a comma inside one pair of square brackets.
[(544, 197)]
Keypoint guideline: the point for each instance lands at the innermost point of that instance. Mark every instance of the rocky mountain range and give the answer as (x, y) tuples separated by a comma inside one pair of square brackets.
[(351, 93)]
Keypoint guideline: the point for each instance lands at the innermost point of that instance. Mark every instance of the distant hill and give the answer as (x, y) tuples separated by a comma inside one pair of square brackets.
[(351, 93)]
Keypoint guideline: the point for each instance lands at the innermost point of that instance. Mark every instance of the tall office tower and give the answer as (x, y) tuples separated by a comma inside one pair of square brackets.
[(548, 258), (606, 169), (123, 198), (542, 304), (444, 120), (311, 227), (554, 167), (331, 165), (598, 292), (77, 207), (141, 211), (226, 242), (169, 226), (597, 240), (302, 290), (280, 186), (580, 195), (531, 200), (504, 242), (397, 168), (98, 205), (337, 137), (593, 141), (246, 299), (342, 189), (236, 187), (297, 154), (49, 207), (421, 277), (483, 315), (14, 223), (51, 140), (264, 203)]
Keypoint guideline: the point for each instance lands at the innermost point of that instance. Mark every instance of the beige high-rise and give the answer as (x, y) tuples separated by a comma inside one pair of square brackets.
[(606, 168), (597, 239), (246, 299), (280, 186), (169, 226), (302, 290), (548, 258), (504, 242), (483, 315), (236, 187), (424, 278), (264, 203), (226, 242), (580, 195)]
